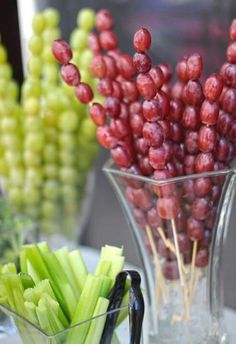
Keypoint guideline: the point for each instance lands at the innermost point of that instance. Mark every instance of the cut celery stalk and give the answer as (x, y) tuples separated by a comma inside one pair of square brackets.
[(53, 310), (117, 265), (115, 339), (9, 268), (97, 325), (26, 280), (106, 286), (60, 285), (62, 256), (103, 267), (124, 313), (85, 308), (78, 267), (108, 251), (31, 309)]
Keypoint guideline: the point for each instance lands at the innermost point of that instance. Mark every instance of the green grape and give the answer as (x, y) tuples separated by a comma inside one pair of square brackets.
[(17, 176), (67, 141), (78, 39), (15, 195), (8, 124), (49, 209), (38, 23), (50, 153), (31, 88), (67, 157), (12, 90), (2, 88), (5, 71), (31, 106), (32, 124), (84, 161), (36, 45), (4, 170), (85, 59), (85, 76), (52, 17), (69, 192), (3, 55), (33, 177), (86, 19), (52, 102), (31, 159), (31, 196), (50, 34), (50, 118), (68, 121), (76, 58), (11, 142), (34, 142), (47, 55), (90, 147), (50, 73), (35, 66), (51, 171), (88, 129), (68, 175), (51, 190), (51, 135), (13, 158)]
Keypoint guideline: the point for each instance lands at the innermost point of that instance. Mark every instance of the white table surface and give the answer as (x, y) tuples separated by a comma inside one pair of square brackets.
[(91, 257)]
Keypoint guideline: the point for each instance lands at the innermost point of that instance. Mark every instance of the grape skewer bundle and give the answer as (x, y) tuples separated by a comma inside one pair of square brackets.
[(159, 131)]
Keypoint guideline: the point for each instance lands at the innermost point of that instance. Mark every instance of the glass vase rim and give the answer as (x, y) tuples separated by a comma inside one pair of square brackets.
[(13, 314), (110, 168)]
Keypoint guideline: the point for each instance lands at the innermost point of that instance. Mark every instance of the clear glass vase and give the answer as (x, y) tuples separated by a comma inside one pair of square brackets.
[(87, 332), (179, 226)]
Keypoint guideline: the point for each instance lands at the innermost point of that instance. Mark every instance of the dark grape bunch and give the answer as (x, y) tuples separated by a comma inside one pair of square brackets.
[(162, 130)]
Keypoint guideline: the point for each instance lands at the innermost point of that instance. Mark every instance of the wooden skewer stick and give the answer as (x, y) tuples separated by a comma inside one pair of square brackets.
[(196, 279), (191, 284), (170, 246), (159, 274), (179, 260)]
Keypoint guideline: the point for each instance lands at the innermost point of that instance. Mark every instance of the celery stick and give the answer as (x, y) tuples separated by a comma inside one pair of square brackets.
[(62, 256), (106, 286), (124, 303), (26, 280), (103, 267), (43, 247), (31, 309), (115, 339), (42, 315), (9, 268), (108, 251), (117, 265), (97, 325), (78, 267), (60, 285), (85, 308), (52, 309)]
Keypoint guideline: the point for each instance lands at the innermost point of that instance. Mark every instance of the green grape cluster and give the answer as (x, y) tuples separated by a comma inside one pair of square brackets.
[(47, 142)]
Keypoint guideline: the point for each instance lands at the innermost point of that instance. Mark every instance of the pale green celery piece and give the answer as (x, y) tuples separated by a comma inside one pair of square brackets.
[(85, 308), (106, 286), (57, 308), (63, 257), (97, 325), (26, 280), (43, 247), (9, 268), (124, 313), (103, 267), (4, 301), (42, 315), (78, 267), (108, 251), (60, 285), (117, 265), (32, 262), (31, 309), (53, 310), (115, 339)]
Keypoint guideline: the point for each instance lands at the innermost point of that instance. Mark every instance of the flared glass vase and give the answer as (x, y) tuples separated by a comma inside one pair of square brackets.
[(179, 226), (87, 332)]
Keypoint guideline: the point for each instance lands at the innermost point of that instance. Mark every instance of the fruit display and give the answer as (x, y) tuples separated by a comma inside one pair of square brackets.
[(54, 291), (161, 129), (48, 143)]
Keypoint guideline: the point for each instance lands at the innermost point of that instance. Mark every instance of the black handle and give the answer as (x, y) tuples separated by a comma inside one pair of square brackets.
[(136, 307)]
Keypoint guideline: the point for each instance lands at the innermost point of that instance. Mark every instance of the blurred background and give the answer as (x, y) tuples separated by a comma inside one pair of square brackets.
[(178, 27)]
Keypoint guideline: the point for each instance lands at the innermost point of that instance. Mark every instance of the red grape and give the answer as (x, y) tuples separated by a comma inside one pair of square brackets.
[(209, 112), (229, 100), (119, 128), (191, 142), (141, 146), (194, 67), (146, 86), (117, 90), (98, 66), (105, 137), (202, 258), (105, 87), (202, 186), (204, 162), (70, 74), (224, 122), (221, 152), (61, 51), (142, 40), (104, 20), (145, 166), (201, 208), (108, 40), (94, 43), (191, 118), (136, 124), (84, 93), (97, 113), (177, 134), (189, 164), (164, 101), (232, 30), (192, 93), (125, 66), (195, 229), (176, 110), (166, 70), (111, 69), (207, 137), (142, 62), (157, 76), (121, 156), (231, 53), (213, 87), (181, 70), (184, 243), (153, 133), (151, 110), (170, 270), (112, 106), (157, 158), (167, 207), (130, 91)]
